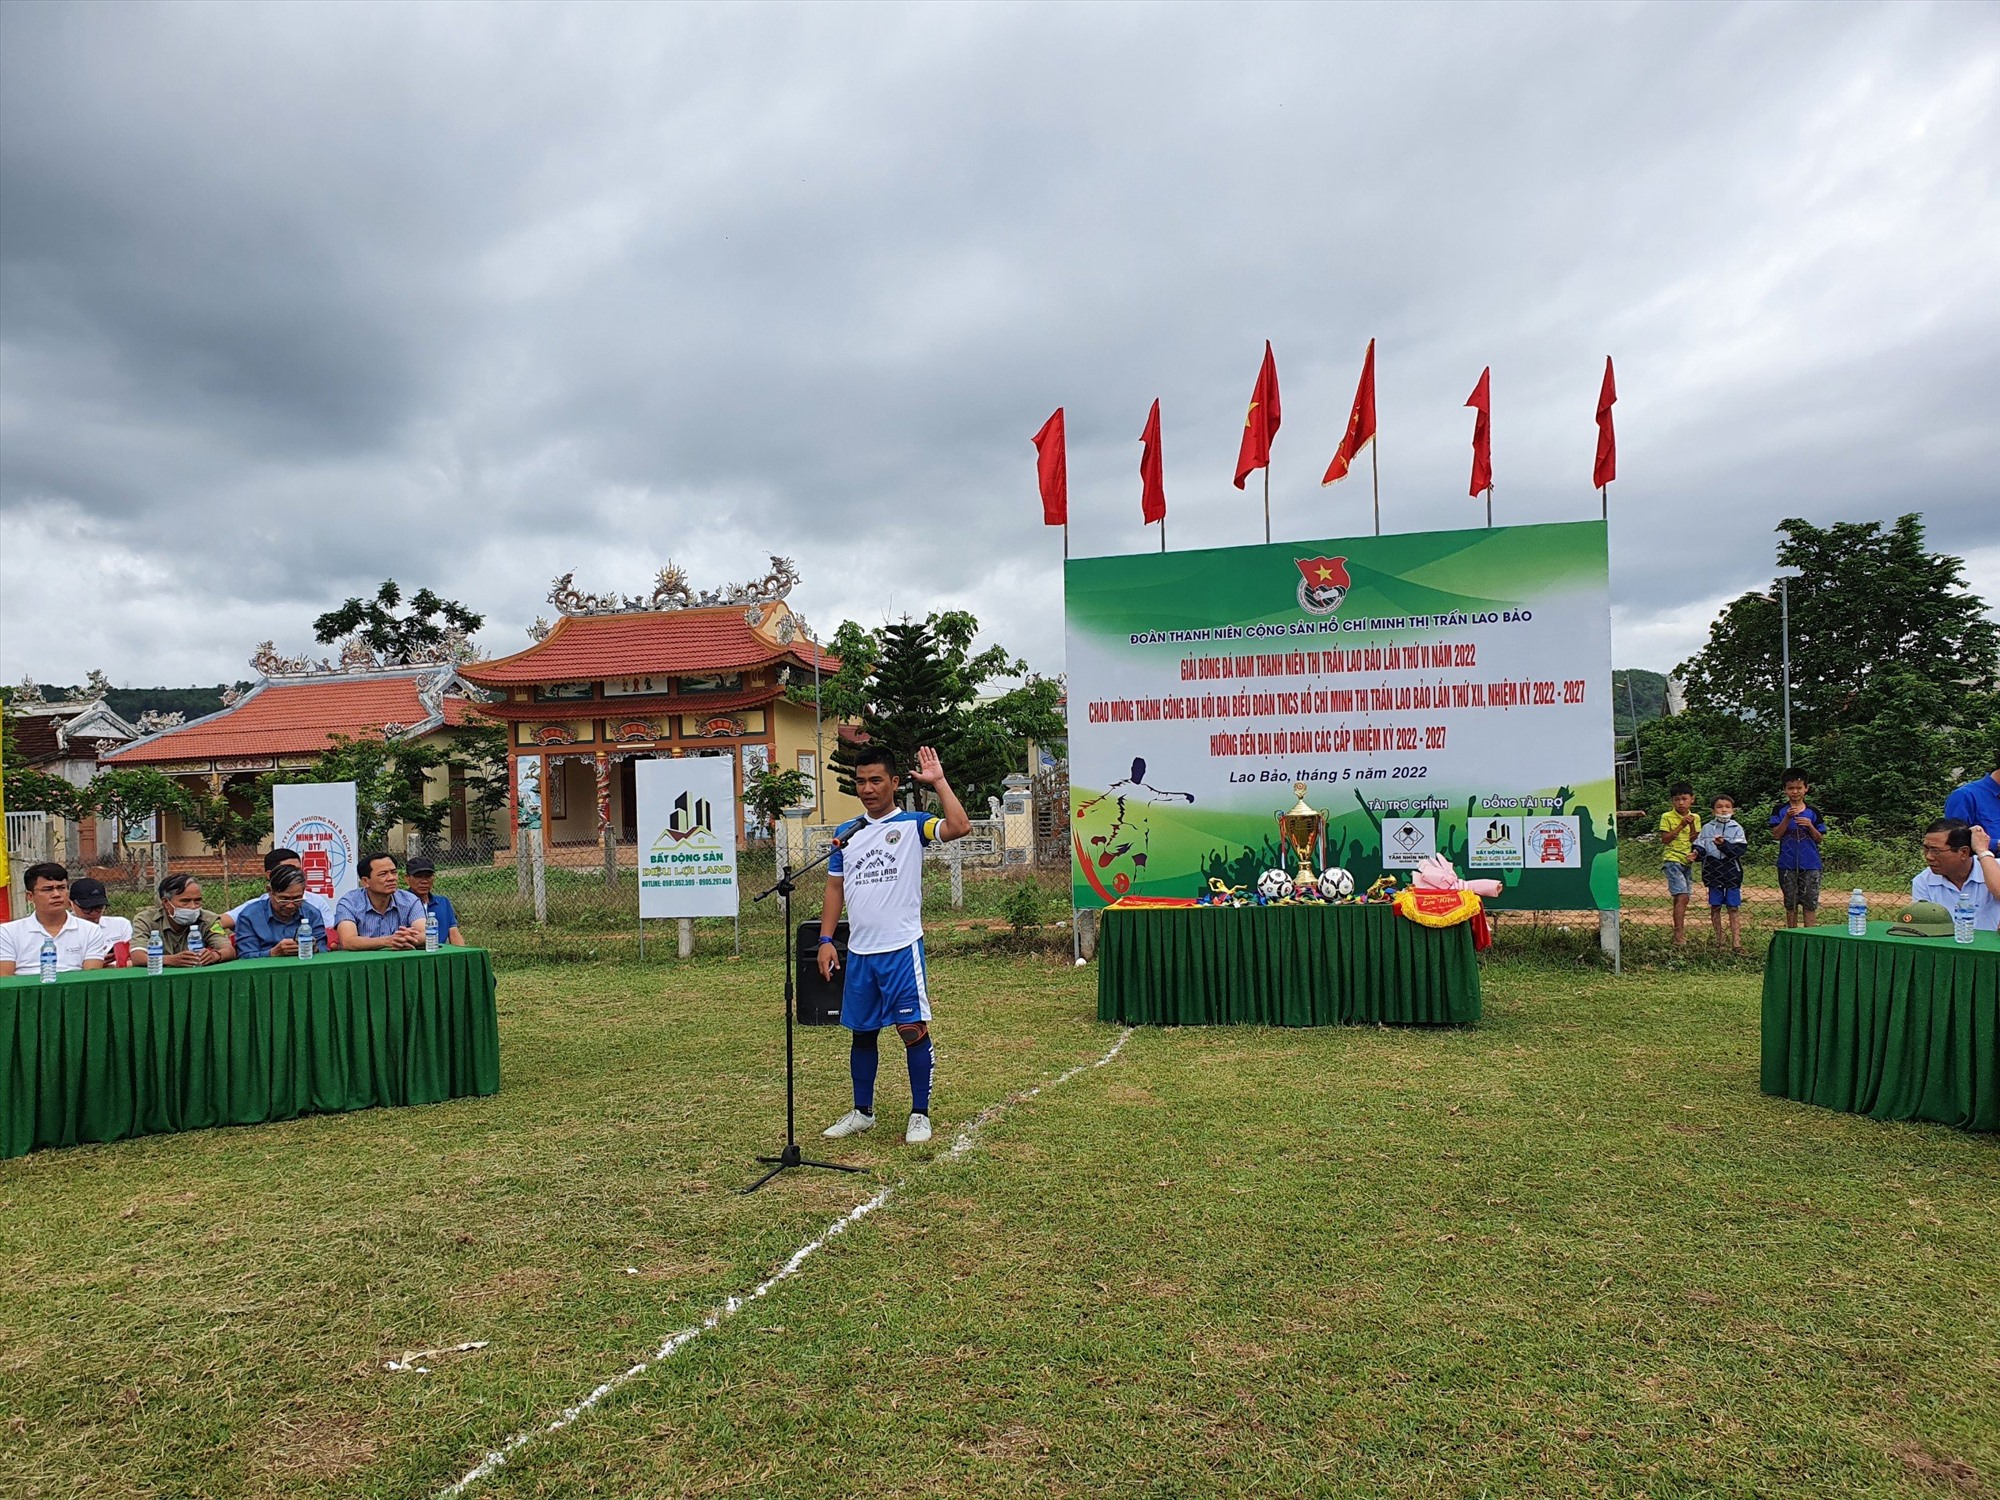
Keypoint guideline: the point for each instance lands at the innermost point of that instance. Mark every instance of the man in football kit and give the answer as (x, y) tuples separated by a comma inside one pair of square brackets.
[(877, 874)]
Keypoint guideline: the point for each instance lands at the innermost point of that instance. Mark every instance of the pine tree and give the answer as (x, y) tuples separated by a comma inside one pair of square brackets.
[(911, 701)]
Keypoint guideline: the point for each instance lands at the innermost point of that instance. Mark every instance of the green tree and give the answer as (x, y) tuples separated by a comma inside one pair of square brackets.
[(417, 634), (921, 687), (770, 792), (389, 779), (1893, 673), (134, 792), (221, 824), (479, 749)]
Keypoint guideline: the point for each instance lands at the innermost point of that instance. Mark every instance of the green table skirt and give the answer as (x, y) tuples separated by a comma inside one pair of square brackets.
[(104, 1055), (1890, 1027), (1282, 966)]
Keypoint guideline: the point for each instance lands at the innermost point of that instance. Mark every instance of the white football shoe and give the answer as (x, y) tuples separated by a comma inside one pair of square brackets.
[(851, 1123), (919, 1131)]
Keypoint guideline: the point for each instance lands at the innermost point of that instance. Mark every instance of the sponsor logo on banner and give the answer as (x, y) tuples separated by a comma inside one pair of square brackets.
[(1407, 842), (1323, 583), (324, 851), (1554, 844), (1495, 844)]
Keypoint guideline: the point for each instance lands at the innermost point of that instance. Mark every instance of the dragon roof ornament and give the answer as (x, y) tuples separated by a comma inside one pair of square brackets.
[(671, 591)]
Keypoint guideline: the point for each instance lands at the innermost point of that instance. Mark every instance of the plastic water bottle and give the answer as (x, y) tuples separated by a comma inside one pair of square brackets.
[(195, 944), (1961, 924), (1857, 914), (430, 932), (156, 956), (49, 959), (305, 939)]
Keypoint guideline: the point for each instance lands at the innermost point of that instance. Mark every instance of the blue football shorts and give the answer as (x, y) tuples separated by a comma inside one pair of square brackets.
[(885, 989), (1731, 895)]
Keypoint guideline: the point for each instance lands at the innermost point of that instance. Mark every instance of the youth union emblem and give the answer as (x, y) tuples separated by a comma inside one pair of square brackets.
[(1323, 583)]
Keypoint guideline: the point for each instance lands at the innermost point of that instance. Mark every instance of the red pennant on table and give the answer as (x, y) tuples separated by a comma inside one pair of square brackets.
[(1360, 422), (1152, 486), (1481, 401), (1606, 468), (1052, 470), (1261, 425)]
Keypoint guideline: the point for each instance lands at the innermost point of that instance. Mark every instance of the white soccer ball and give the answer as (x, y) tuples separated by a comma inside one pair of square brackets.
[(1274, 885), (1336, 885)]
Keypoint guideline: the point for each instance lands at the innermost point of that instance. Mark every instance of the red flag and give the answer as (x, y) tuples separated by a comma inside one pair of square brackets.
[(1052, 469), (1481, 401), (1360, 422), (1153, 488), (1606, 468), (1261, 425)]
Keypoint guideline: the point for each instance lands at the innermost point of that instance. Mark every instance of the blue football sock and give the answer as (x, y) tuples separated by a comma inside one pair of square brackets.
[(920, 1077), (862, 1059)]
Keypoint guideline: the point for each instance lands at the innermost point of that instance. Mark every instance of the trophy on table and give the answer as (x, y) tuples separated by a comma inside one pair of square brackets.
[(1303, 830)]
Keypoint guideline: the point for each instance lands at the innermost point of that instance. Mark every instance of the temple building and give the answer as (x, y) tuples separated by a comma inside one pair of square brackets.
[(621, 679), (288, 717)]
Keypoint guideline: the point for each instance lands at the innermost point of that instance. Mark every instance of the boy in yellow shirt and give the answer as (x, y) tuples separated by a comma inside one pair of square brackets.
[(1678, 826)]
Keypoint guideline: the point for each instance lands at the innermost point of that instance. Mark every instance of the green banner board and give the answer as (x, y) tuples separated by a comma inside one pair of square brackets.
[(1446, 692)]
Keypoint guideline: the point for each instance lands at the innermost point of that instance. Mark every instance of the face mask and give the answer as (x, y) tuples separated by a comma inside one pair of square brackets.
[(185, 917)]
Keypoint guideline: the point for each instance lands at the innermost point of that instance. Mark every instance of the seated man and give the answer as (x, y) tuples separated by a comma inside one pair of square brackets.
[(87, 900), (273, 862), (79, 944), (1958, 861), (376, 914), (269, 926), (423, 874), (179, 915)]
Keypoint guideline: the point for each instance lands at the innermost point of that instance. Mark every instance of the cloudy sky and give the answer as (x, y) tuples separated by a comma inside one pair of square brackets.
[(297, 297)]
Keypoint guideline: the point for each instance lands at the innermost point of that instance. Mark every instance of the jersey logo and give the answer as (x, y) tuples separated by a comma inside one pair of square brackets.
[(895, 836)]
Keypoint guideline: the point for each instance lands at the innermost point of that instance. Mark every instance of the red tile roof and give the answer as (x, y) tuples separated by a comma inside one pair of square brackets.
[(590, 647), (295, 718)]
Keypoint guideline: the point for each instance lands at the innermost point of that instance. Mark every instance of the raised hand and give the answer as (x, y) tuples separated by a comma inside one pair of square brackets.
[(930, 770), (1980, 841)]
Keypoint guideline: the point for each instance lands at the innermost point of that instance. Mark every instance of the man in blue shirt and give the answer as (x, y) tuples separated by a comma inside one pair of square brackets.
[(1978, 803), (423, 874), (376, 914), (1798, 829), (269, 926), (1959, 861)]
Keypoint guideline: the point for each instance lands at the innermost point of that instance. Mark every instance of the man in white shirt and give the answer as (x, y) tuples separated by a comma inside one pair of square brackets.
[(79, 944), (877, 875), (87, 899), (1959, 861)]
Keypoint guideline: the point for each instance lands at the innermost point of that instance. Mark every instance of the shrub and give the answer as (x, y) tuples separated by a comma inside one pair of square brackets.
[(1024, 906)]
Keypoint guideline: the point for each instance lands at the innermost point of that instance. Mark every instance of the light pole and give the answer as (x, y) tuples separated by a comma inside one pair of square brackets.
[(1785, 648)]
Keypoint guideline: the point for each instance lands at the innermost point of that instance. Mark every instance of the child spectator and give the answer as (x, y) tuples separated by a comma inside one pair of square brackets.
[(1721, 845), (1798, 829), (1678, 826)]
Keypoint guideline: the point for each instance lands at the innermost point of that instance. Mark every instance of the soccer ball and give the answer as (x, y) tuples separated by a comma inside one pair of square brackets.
[(1336, 885), (1274, 885)]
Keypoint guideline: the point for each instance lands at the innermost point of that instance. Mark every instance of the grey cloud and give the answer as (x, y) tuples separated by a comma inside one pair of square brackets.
[(474, 294)]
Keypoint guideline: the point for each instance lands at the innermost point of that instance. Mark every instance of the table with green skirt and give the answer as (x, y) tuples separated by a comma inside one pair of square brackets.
[(1896, 1028), (112, 1053), (1282, 966)]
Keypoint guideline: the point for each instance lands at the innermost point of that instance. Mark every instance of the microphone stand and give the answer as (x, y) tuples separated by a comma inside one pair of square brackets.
[(790, 1155)]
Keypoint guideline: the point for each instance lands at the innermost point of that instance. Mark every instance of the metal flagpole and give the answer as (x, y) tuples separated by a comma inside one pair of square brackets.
[(1163, 533), (1375, 469), (1267, 498), (1065, 540), (1604, 502), (1489, 505)]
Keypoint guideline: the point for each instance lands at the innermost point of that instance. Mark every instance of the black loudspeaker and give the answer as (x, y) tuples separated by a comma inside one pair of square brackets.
[(819, 999)]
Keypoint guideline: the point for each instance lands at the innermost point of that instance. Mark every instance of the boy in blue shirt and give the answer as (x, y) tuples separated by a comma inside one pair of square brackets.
[(877, 873), (1798, 829)]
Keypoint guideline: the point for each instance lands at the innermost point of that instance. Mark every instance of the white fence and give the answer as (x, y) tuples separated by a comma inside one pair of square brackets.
[(30, 837)]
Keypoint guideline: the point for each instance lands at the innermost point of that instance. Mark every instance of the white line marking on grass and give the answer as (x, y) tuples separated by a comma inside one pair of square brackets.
[(731, 1306)]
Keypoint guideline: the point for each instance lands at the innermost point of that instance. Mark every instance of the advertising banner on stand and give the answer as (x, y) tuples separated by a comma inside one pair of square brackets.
[(687, 836), (1441, 692), (317, 819)]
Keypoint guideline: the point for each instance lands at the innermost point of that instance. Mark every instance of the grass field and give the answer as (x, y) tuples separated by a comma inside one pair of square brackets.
[(1571, 1251)]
